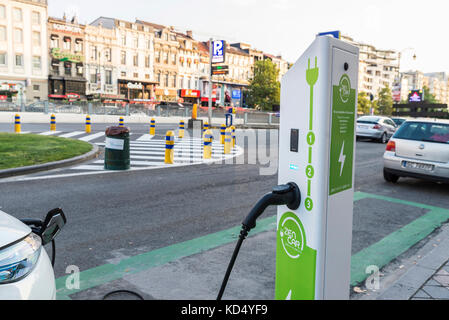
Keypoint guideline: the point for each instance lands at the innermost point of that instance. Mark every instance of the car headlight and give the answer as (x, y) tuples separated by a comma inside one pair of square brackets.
[(17, 261)]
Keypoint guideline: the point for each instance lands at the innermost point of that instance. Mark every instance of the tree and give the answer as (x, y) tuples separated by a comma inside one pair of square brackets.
[(264, 90), (429, 97), (385, 101), (364, 103)]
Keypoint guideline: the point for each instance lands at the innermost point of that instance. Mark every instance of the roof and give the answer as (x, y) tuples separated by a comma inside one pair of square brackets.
[(154, 25)]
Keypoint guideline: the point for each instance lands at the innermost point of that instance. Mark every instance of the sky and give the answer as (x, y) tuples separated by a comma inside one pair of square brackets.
[(288, 27)]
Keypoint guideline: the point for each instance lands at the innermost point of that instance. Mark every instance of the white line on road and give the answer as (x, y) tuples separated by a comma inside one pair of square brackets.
[(145, 137), (50, 133), (92, 137), (72, 134)]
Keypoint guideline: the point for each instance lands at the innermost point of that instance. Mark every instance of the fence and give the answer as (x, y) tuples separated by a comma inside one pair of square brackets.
[(249, 116)]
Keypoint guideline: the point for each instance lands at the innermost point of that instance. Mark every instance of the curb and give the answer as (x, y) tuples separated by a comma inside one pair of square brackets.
[(417, 276), (51, 165)]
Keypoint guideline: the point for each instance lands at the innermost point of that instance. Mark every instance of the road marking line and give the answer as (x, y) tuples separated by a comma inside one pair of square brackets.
[(145, 137), (50, 133), (88, 167), (72, 134), (92, 137)]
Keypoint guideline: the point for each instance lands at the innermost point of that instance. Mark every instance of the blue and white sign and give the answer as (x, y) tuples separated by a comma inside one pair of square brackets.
[(236, 94), (218, 51)]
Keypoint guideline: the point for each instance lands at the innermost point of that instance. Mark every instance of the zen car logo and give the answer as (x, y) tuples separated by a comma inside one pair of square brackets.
[(292, 237), (345, 88)]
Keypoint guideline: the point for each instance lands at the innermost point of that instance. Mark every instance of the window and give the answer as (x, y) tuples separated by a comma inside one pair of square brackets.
[(147, 76), (94, 52), (173, 58), (18, 35), (79, 69), (174, 81), (36, 17), (17, 15), (136, 42), (68, 68), (36, 38), (123, 74), (37, 64), (54, 41), (67, 45), (36, 87), (124, 40), (55, 66), (93, 76), (3, 60), (123, 57), (136, 75), (3, 33), (158, 56), (78, 45), (2, 12), (166, 80), (136, 60), (147, 62), (166, 57), (108, 77), (108, 54), (19, 60)]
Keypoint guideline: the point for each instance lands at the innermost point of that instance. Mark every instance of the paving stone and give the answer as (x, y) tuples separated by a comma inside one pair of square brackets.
[(437, 292)]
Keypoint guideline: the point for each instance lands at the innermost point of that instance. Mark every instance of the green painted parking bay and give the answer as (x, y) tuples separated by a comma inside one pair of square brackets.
[(392, 239)]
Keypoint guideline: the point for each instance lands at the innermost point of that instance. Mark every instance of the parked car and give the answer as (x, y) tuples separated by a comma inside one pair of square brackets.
[(26, 272), (376, 128), (399, 121), (419, 149)]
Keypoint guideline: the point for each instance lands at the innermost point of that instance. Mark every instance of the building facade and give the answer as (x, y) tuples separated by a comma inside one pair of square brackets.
[(23, 51), (438, 84), (132, 53), (166, 59), (66, 75), (377, 68)]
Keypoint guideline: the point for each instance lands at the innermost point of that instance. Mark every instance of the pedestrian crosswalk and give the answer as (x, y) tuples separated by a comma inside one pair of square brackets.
[(147, 151)]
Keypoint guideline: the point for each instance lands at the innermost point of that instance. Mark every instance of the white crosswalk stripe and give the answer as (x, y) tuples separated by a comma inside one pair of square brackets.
[(92, 137), (50, 133), (72, 134)]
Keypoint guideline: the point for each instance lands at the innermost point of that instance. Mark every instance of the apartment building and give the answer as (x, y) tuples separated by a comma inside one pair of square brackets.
[(410, 80), (123, 61), (66, 78), (166, 73), (23, 51), (377, 68)]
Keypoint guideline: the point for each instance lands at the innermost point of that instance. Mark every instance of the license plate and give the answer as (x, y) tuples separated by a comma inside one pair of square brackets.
[(420, 166), (362, 127)]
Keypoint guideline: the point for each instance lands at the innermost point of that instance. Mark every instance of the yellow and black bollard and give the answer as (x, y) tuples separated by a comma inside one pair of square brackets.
[(181, 129), (228, 141), (206, 127), (233, 137), (88, 124), (17, 126), (208, 139), (153, 127), (53, 123), (169, 148), (121, 122), (222, 134)]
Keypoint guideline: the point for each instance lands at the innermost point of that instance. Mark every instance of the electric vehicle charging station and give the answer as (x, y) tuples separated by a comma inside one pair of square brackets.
[(317, 146)]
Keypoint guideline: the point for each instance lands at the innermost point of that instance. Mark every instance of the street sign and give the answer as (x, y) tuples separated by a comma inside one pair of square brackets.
[(317, 144), (220, 70), (218, 51), (236, 94), (335, 34)]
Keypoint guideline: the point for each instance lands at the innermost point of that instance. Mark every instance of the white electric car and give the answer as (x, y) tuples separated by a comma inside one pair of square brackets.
[(26, 272)]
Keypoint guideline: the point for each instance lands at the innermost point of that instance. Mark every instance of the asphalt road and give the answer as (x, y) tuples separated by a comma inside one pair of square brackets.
[(122, 215)]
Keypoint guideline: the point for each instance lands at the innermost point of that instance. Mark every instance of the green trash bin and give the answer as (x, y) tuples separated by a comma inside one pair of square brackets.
[(117, 155)]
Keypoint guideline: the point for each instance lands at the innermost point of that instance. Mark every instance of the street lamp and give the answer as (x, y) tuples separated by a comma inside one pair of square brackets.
[(399, 60)]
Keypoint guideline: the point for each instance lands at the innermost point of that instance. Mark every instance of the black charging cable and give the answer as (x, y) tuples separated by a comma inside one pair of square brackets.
[(288, 195)]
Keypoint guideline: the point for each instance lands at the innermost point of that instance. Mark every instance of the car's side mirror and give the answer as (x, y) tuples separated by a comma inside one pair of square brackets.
[(53, 223)]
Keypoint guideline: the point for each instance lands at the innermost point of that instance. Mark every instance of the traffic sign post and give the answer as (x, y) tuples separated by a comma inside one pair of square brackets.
[(317, 144)]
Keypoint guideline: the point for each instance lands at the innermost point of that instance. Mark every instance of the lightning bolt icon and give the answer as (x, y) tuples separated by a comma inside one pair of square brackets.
[(342, 159)]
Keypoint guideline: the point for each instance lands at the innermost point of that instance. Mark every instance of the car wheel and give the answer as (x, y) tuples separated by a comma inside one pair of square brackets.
[(389, 177), (384, 138)]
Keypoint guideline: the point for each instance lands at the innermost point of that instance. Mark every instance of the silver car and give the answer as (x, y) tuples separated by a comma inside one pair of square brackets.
[(419, 149), (376, 127)]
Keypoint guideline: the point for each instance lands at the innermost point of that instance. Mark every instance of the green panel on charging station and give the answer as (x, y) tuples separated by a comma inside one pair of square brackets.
[(317, 146)]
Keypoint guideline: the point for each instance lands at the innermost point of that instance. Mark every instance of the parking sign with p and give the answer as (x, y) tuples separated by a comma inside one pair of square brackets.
[(218, 51)]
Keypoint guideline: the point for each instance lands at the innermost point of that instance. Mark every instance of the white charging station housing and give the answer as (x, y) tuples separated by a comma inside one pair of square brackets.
[(317, 152)]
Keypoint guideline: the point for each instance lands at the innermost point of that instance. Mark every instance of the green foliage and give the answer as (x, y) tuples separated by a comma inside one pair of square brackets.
[(429, 97), (364, 103), (264, 90), (385, 102)]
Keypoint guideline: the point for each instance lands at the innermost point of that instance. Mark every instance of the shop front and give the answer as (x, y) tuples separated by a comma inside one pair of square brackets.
[(136, 92), (12, 91), (190, 96), (166, 95)]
